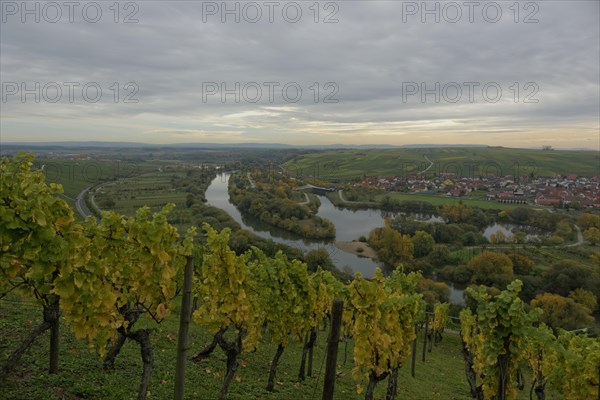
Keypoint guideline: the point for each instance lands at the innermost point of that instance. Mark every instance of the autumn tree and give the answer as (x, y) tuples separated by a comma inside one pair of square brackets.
[(456, 213), (519, 215), (589, 220), (592, 235), (319, 258), (585, 298), (565, 276), (522, 265), (498, 238), (433, 292), (440, 255), (563, 229), (562, 312), (491, 268), (392, 247), (423, 243)]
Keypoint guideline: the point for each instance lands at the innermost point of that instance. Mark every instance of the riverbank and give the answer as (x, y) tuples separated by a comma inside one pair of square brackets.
[(360, 249), (278, 210)]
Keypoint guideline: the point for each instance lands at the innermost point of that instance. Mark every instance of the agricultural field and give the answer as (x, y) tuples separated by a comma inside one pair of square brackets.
[(441, 200), (471, 162), (81, 375), (182, 187), (75, 176), (154, 190)]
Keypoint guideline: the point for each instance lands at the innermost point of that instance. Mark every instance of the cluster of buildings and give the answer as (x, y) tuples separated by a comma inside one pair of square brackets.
[(543, 191)]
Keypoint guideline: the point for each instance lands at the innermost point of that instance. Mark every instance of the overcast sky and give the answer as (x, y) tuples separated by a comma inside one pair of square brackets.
[(376, 72)]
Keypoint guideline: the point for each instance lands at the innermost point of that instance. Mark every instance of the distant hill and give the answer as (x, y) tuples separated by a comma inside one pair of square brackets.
[(432, 161), (99, 144), (352, 161)]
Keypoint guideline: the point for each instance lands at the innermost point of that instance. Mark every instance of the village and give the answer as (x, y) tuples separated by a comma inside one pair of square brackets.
[(560, 191)]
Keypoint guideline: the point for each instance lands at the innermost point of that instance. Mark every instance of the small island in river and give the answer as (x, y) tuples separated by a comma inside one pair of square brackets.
[(360, 249)]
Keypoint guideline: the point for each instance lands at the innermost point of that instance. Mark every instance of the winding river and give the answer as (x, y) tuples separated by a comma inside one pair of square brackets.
[(349, 225)]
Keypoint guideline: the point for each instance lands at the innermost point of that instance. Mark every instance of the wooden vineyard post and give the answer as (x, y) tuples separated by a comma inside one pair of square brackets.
[(184, 325), (425, 335), (332, 349), (414, 355)]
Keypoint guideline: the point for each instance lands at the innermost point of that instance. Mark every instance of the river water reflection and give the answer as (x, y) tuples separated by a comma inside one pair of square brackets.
[(349, 225)]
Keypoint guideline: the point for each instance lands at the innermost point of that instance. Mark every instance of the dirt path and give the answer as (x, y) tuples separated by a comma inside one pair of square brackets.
[(343, 199), (305, 202), (430, 164), (579, 238), (251, 181)]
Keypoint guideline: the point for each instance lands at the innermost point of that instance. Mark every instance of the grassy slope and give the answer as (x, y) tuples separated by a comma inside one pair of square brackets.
[(81, 375), (347, 164), (75, 176)]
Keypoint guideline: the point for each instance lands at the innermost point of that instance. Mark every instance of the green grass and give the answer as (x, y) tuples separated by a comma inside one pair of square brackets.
[(441, 200), (81, 375), (465, 255), (349, 164)]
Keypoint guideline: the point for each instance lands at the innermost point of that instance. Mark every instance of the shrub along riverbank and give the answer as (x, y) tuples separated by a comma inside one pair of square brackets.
[(274, 207)]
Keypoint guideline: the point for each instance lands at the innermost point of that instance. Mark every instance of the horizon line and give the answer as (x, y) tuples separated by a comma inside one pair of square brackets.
[(101, 143)]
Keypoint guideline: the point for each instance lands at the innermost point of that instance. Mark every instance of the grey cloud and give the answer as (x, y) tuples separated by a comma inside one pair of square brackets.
[(368, 54)]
